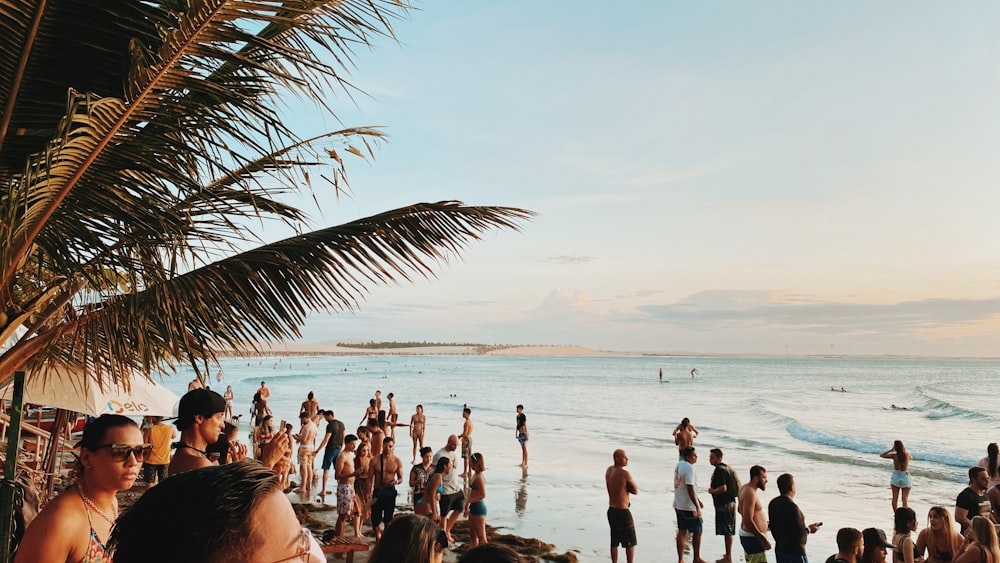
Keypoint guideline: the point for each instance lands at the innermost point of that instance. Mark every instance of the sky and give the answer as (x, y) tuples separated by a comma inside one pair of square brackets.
[(709, 177)]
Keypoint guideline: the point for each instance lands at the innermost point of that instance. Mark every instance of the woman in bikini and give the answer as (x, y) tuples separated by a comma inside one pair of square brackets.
[(364, 484), (903, 550), (939, 539), (432, 492), (419, 476), (370, 412), (475, 511), (983, 545), (72, 526), (900, 480)]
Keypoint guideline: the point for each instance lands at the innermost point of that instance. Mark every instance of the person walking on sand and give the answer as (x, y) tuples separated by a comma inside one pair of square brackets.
[(417, 423), (620, 485), (466, 437), (687, 505), (333, 442), (753, 523), (900, 480), (521, 432), (724, 488), (788, 525)]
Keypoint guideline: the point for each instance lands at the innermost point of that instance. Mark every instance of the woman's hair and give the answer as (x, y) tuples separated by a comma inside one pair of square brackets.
[(900, 450), (478, 458), (310, 396), (208, 511), (425, 450), (992, 452), (984, 533), (381, 420), (95, 430), (904, 515), (407, 539), (946, 532), (685, 421), (443, 462), (491, 553)]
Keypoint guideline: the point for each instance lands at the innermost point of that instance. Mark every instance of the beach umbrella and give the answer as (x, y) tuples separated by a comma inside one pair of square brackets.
[(74, 390)]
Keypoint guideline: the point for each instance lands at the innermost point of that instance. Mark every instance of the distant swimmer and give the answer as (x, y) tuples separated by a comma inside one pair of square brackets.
[(694, 372), (898, 408), (661, 375)]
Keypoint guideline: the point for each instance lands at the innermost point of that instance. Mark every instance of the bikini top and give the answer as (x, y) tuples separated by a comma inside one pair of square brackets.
[(916, 554), (96, 552)]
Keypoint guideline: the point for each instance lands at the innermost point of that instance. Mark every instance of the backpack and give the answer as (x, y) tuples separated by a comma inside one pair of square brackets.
[(732, 484)]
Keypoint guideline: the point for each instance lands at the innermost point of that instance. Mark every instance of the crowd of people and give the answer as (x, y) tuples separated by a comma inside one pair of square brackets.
[(977, 513), (221, 496)]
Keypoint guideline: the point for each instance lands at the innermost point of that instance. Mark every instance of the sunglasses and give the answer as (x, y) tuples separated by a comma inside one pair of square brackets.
[(119, 452)]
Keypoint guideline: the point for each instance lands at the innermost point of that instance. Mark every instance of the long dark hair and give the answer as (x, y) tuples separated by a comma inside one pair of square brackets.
[(992, 451)]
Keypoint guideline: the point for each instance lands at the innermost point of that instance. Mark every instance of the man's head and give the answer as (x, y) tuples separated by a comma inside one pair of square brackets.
[(786, 485), (303, 417), (389, 396), (328, 415), (850, 543), (378, 393), (350, 442), (715, 456), (520, 409), (201, 410), (466, 412), (261, 383), (387, 444), (758, 477), (621, 460), (689, 454), (452, 444), (979, 479)]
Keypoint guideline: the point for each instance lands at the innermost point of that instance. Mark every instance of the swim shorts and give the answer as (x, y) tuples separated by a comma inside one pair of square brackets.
[(688, 520), (622, 527), (725, 519), (466, 447), (385, 505), (345, 499), (900, 479), (753, 548), (477, 508), (329, 456), (522, 437), (305, 454), (453, 501), (153, 473)]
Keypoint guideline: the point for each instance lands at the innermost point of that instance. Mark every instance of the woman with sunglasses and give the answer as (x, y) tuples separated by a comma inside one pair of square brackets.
[(475, 511), (72, 526), (410, 539)]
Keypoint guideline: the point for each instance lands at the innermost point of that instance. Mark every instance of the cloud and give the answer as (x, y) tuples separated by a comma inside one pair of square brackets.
[(569, 259)]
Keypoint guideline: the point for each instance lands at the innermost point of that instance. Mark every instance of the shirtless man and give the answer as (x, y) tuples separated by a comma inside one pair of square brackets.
[(378, 400), (684, 435), (307, 443), (466, 437), (754, 522), (417, 422), (620, 484), (375, 437), (393, 416), (388, 472), (265, 393), (345, 472), (311, 406)]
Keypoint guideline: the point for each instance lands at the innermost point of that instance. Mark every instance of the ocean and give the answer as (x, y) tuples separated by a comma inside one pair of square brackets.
[(786, 414)]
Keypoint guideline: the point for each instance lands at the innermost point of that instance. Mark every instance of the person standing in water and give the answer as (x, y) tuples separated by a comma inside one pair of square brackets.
[(521, 432), (900, 480)]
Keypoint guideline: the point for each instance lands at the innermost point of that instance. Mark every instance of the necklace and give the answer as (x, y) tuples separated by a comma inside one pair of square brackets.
[(182, 445), (91, 504)]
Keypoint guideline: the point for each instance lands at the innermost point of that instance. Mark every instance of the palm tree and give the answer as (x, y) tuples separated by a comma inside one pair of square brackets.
[(141, 144)]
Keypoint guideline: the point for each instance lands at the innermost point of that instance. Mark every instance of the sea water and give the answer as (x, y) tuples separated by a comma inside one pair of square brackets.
[(786, 414)]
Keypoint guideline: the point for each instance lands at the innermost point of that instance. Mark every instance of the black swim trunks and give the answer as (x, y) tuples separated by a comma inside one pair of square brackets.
[(622, 527)]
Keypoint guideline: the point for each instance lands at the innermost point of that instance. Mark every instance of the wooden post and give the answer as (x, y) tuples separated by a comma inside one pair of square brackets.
[(10, 469)]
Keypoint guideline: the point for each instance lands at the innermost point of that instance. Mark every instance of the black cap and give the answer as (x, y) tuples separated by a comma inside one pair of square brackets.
[(202, 402), (874, 536)]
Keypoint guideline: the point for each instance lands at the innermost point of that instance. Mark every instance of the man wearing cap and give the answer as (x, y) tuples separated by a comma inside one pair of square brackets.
[(788, 525), (199, 418), (876, 544)]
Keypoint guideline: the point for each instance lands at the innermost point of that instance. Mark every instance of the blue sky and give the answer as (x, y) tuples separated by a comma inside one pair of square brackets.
[(767, 177)]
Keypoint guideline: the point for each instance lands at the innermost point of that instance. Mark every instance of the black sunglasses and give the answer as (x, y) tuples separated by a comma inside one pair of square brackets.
[(119, 452)]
